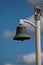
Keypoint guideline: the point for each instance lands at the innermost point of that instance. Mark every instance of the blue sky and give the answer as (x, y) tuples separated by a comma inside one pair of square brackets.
[(10, 12)]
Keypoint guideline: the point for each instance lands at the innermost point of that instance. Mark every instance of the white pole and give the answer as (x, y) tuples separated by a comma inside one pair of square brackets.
[(38, 43)]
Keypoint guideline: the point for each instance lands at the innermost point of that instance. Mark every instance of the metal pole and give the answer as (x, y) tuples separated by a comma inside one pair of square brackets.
[(37, 33), (38, 46)]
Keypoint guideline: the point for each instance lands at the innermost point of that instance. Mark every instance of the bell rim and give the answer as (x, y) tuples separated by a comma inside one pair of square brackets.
[(21, 38)]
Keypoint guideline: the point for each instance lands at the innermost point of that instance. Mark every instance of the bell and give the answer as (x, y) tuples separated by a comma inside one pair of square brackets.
[(21, 33)]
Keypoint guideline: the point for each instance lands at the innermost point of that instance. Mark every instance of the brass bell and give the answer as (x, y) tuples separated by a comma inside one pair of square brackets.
[(21, 33)]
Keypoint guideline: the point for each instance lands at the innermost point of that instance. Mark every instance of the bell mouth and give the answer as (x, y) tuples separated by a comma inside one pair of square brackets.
[(21, 38)]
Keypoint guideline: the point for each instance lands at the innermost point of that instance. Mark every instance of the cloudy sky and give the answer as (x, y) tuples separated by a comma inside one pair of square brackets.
[(17, 52)]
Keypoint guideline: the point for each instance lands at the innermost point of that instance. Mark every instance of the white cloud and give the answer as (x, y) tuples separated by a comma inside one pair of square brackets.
[(8, 64), (7, 34), (35, 2), (29, 58)]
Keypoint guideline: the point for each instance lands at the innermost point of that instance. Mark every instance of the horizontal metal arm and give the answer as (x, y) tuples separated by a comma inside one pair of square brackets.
[(27, 21)]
